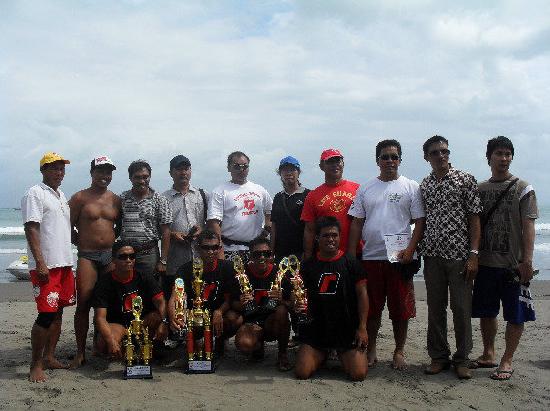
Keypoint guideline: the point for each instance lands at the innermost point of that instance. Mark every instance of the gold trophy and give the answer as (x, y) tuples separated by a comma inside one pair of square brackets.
[(180, 308), (250, 307), (138, 347), (276, 285), (299, 293), (198, 319)]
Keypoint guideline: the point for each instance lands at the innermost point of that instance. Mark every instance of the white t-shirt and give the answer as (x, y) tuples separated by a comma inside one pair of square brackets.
[(387, 207), (43, 205), (241, 210)]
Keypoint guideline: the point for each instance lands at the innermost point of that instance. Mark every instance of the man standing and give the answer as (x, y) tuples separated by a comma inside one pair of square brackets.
[(146, 219), (450, 248), (94, 213), (239, 210), (287, 230), (505, 258), (382, 211), (188, 205), (333, 198), (47, 222)]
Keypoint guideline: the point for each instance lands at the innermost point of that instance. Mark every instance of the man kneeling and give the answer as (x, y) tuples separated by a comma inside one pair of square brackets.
[(264, 324), (338, 306), (113, 303)]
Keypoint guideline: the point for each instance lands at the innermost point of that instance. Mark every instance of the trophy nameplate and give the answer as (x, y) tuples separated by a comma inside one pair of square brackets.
[(138, 346), (137, 372)]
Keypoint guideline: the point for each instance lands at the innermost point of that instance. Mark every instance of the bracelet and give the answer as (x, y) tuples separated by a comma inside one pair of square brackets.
[(165, 320)]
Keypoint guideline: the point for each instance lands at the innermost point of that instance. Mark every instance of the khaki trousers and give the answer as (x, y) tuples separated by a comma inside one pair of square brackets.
[(443, 278)]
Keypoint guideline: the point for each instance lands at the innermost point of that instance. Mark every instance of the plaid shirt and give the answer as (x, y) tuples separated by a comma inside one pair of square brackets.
[(448, 203)]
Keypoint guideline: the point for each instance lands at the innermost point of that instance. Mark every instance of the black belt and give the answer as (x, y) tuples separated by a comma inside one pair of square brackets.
[(228, 241)]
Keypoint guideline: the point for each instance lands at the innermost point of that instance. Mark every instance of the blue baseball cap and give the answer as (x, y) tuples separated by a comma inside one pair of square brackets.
[(289, 160)]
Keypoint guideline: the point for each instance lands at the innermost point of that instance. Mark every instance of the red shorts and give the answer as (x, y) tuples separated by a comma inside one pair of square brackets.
[(385, 281), (58, 292)]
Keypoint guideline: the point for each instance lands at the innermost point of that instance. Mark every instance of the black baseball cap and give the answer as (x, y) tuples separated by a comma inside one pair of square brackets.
[(178, 161)]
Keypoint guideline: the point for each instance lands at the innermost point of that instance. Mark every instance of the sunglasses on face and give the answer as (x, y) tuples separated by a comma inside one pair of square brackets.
[(387, 157), (124, 256), (241, 167), (442, 152), (210, 247), (258, 254)]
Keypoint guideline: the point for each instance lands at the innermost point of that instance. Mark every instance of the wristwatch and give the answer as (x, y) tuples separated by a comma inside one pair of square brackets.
[(163, 262), (165, 320), (476, 252)]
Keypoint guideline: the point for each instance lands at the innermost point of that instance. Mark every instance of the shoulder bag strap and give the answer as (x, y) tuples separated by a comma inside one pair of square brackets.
[(497, 202)]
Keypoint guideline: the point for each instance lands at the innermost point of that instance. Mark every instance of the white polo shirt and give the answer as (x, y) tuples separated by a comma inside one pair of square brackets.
[(41, 204)]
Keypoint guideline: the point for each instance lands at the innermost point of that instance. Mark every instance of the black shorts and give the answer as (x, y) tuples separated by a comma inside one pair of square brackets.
[(100, 259)]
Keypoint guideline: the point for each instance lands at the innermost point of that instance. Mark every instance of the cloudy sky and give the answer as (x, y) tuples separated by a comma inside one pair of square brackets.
[(151, 79)]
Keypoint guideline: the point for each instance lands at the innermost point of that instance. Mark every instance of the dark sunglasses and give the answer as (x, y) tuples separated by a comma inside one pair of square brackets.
[(443, 152), (387, 157), (258, 254), (210, 247), (240, 166), (124, 256)]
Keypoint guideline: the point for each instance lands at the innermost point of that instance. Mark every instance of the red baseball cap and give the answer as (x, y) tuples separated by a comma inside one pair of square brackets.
[(330, 153)]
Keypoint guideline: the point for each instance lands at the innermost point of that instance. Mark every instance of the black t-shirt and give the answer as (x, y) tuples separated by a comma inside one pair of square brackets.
[(332, 300), (217, 283), (117, 296), (290, 234)]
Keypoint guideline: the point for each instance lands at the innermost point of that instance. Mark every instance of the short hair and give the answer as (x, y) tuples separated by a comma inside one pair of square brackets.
[(236, 154), (138, 165), (120, 244), (498, 142), (326, 221), (432, 140), (259, 241), (207, 234), (387, 143)]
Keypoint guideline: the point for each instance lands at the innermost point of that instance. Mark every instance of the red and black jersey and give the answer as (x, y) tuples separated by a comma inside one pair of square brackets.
[(218, 282), (116, 296), (332, 299)]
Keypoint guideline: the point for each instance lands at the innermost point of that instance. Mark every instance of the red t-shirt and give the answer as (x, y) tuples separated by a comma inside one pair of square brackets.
[(332, 200)]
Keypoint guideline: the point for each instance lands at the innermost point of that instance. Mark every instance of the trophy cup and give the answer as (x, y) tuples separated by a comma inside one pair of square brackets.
[(198, 322), (250, 307), (139, 349), (180, 307), (298, 290), (276, 285)]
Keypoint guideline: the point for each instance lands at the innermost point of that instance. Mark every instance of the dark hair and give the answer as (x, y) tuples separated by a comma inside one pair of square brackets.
[(259, 241), (120, 244), (387, 143), (207, 234), (236, 154), (138, 165), (498, 142), (93, 166), (432, 140), (326, 221)]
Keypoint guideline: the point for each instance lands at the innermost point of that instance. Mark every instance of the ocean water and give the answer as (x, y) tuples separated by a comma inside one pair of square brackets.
[(13, 244)]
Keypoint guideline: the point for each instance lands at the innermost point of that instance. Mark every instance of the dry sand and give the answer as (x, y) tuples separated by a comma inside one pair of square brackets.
[(238, 384)]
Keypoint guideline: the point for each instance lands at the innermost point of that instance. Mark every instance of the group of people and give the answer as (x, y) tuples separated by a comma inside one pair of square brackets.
[(355, 242)]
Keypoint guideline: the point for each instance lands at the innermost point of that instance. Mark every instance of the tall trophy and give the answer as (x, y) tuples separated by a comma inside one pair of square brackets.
[(276, 285), (298, 290), (180, 307), (138, 347), (198, 319), (250, 307)]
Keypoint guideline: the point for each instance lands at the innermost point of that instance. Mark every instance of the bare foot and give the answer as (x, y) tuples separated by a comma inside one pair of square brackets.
[(399, 362), (373, 360), (78, 361), (36, 373), (54, 364)]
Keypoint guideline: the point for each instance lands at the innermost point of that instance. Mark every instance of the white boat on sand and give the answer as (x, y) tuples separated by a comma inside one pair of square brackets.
[(20, 268)]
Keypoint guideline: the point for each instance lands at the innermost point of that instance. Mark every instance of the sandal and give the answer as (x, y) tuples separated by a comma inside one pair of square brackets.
[(496, 375)]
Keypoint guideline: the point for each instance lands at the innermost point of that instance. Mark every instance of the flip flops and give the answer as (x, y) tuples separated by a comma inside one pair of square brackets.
[(502, 375), (475, 364)]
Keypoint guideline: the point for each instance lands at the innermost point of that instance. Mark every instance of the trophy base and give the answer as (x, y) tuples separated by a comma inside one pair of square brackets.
[(200, 367), (137, 372)]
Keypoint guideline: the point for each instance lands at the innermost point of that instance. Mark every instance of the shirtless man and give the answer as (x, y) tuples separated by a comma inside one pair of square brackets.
[(94, 213)]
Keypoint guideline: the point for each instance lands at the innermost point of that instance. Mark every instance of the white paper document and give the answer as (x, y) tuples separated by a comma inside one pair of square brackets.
[(396, 243)]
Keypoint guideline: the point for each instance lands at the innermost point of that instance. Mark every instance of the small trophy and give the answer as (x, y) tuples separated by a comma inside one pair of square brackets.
[(298, 290), (276, 285), (250, 307), (180, 307), (198, 322), (139, 349)]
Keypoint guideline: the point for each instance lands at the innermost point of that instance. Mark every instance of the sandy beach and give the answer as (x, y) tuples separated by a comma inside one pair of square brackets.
[(239, 384)]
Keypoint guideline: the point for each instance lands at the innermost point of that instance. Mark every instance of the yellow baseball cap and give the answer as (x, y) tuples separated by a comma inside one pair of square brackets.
[(51, 157)]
